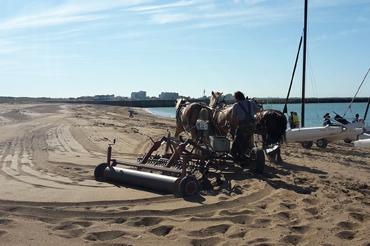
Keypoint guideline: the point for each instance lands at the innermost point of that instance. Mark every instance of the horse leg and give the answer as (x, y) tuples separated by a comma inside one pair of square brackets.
[(194, 134), (264, 145), (278, 156), (179, 129)]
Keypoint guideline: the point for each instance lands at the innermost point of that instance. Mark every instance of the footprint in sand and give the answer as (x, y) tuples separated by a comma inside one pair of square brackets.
[(236, 212), (348, 235), (259, 241), (347, 225), (72, 229), (261, 223), (205, 215), (162, 230), (359, 216), (284, 215), (5, 221), (119, 220), (310, 201), (292, 239), (312, 210), (301, 229), (210, 231), (105, 235), (145, 221), (72, 225), (205, 241), (288, 205), (236, 232), (240, 219), (73, 233), (2, 233), (51, 221)]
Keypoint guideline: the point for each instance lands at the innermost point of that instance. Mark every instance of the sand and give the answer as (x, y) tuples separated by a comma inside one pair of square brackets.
[(48, 195)]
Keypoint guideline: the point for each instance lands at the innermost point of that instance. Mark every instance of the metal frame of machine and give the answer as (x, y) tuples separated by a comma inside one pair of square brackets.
[(184, 169)]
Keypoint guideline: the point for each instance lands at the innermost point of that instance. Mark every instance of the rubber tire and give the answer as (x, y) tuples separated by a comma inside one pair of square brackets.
[(260, 161), (307, 144), (322, 143), (99, 172), (188, 186)]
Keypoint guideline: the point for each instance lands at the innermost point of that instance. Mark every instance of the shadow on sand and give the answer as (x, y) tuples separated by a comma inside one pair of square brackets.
[(273, 175)]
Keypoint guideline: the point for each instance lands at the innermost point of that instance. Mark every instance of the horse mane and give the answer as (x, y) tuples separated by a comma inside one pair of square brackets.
[(179, 101)]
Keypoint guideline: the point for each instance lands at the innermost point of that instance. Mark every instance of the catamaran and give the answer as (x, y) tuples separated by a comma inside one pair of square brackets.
[(321, 134)]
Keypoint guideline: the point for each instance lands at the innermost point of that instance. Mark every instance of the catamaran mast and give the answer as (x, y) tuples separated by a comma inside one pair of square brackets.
[(304, 63), (285, 110)]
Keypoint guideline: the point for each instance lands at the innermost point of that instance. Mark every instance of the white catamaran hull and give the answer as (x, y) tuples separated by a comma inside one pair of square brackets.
[(330, 133), (364, 136), (363, 143), (348, 134), (311, 133)]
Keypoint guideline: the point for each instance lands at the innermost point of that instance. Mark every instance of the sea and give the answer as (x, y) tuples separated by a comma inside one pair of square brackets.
[(314, 112)]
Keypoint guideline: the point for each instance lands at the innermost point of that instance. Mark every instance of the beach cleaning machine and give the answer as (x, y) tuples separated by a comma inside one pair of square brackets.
[(184, 167)]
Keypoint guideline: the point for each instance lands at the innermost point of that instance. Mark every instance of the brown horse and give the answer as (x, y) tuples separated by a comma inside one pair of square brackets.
[(222, 114), (187, 115)]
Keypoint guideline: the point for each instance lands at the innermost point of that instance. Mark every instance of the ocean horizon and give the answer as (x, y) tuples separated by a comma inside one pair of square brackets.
[(313, 112)]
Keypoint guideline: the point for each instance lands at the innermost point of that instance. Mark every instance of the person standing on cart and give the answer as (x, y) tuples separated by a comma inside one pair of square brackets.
[(243, 114)]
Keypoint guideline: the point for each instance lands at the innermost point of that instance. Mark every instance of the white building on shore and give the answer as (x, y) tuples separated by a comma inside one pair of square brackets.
[(140, 95), (168, 95)]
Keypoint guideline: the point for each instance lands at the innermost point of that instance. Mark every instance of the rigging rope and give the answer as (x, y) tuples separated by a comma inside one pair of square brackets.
[(313, 85), (363, 80)]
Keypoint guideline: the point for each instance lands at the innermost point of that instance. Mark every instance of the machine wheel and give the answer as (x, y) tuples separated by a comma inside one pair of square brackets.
[(307, 144), (322, 143), (188, 186), (99, 171), (260, 161)]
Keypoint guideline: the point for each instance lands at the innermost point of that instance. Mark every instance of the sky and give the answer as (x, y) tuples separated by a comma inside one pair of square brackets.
[(71, 48)]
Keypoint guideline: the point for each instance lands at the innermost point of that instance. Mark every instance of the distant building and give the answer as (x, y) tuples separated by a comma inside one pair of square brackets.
[(104, 97), (168, 95), (120, 98), (140, 95), (85, 98), (229, 98)]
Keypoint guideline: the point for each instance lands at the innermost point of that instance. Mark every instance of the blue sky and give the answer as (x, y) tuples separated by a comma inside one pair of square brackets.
[(85, 47)]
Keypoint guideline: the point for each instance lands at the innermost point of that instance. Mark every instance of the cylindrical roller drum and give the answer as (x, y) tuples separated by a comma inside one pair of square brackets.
[(153, 181)]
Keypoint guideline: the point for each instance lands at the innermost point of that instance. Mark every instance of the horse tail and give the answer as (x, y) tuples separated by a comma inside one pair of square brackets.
[(282, 125)]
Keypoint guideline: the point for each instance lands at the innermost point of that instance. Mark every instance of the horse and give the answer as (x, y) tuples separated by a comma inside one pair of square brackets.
[(270, 124), (187, 115), (222, 115)]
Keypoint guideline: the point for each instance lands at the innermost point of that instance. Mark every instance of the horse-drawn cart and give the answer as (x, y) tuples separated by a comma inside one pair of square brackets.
[(182, 167)]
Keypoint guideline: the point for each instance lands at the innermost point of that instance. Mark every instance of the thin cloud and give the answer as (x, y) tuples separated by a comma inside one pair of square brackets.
[(74, 12), (171, 18), (160, 7), (7, 47)]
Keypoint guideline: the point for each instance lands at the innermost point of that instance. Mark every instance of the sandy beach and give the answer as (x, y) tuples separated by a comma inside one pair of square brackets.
[(48, 194)]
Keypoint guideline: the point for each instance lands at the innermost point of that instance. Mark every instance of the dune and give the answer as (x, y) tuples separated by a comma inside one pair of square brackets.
[(48, 194)]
